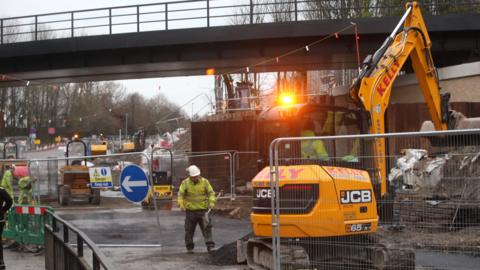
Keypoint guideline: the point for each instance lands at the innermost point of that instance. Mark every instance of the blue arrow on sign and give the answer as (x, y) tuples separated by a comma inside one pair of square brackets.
[(134, 183)]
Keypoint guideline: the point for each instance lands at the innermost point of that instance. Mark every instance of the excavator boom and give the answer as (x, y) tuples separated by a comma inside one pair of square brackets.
[(373, 87)]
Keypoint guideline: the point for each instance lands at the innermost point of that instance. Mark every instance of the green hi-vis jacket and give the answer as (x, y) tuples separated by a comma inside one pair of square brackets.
[(199, 196), (7, 182), (25, 184)]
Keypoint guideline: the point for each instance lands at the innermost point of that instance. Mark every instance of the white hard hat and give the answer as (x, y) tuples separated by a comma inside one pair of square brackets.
[(193, 170)]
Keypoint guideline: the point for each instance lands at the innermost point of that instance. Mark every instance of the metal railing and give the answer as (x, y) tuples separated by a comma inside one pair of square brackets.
[(59, 253), (203, 13)]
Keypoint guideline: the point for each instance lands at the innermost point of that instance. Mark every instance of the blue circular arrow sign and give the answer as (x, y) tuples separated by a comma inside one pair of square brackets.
[(134, 183)]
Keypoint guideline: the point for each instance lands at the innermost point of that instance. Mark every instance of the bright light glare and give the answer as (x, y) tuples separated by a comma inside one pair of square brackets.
[(210, 71), (287, 99)]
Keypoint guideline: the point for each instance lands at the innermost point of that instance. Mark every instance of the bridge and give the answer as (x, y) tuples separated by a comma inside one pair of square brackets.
[(188, 37)]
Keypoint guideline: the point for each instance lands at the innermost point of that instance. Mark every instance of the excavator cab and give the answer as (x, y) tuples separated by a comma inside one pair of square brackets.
[(74, 182), (309, 120)]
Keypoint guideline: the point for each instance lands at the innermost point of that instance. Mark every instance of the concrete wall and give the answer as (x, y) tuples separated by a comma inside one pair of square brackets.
[(461, 81)]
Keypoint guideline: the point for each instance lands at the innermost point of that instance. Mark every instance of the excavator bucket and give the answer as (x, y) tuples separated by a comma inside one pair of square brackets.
[(457, 121)]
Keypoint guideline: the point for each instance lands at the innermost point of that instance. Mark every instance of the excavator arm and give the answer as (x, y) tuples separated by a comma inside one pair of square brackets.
[(373, 87)]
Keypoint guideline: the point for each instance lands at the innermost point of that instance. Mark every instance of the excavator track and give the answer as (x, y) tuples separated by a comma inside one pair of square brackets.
[(259, 255), (351, 252)]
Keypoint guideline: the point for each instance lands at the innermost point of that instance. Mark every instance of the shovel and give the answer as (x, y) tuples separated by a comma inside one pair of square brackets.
[(206, 217)]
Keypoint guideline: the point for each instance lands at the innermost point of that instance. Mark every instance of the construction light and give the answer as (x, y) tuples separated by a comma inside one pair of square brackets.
[(210, 71), (286, 100)]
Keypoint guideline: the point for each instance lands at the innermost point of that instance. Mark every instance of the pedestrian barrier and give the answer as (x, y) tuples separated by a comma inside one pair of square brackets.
[(331, 213), (25, 224)]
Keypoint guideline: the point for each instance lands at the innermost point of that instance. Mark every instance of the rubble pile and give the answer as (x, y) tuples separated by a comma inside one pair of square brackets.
[(227, 254), (441, 192)]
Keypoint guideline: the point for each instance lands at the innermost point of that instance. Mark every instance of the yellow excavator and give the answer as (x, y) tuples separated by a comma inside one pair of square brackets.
[(135, 145), (329, 214)]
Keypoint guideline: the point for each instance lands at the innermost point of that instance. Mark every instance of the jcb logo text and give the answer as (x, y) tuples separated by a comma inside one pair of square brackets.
[(264, 193), (355, 196)]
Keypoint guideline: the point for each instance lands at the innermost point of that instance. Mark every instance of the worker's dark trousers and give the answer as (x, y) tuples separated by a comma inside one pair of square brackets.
[(191, 220), (2, 264)]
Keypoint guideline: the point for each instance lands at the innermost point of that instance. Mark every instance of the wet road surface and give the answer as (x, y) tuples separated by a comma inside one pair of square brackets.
[(134, 226)]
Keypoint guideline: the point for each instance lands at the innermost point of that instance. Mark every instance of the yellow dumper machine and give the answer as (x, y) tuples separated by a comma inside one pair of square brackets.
[(162, 177), (74, 183), (100, 148)]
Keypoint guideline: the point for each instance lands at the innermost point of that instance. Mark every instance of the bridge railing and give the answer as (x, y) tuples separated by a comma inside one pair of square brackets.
[(204, 13), (60, 252)]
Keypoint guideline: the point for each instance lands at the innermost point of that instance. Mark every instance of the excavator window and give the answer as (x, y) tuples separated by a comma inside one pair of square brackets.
[(314, 120), (330, 123)]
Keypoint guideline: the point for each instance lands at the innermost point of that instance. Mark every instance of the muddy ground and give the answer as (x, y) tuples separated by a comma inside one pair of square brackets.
[(466, 240), (239, 208)]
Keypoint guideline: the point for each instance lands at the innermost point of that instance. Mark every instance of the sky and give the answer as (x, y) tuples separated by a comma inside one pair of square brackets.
[(176, 89)]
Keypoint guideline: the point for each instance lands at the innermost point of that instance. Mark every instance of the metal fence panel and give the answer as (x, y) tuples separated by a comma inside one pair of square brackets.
[(327, 202), (216, 166), (246, 166), (52, 176), (67, 181)]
